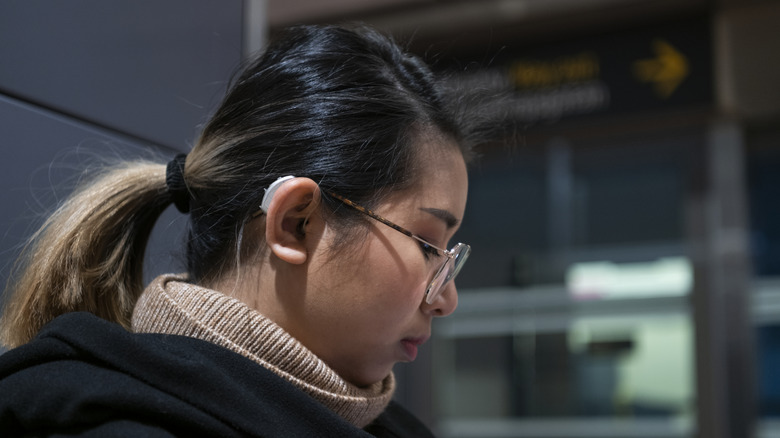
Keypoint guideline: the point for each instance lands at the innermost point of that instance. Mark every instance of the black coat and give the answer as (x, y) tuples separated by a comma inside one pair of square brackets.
[(83, 376)]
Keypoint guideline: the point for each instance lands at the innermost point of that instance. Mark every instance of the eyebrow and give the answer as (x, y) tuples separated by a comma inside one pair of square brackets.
[(444, 215)]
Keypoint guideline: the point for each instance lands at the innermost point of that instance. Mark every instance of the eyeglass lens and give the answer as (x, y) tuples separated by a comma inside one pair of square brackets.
[(448, 271)]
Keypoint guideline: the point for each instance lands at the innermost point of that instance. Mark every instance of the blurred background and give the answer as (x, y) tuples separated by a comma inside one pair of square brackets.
[(625, 276)]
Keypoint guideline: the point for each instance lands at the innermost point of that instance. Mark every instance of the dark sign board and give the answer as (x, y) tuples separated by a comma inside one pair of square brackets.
[(654, 68)]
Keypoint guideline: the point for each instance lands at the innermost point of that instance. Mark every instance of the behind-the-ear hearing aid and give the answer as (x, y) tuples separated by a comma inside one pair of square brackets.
[(269, 194)]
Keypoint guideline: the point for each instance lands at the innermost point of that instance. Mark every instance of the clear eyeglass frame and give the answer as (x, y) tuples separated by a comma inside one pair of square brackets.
[(454, 258)]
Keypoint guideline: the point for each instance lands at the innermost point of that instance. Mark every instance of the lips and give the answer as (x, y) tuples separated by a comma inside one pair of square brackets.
[(410, 346)]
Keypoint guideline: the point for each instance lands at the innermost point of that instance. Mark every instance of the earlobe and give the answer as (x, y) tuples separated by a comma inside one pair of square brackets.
[(287, 217)]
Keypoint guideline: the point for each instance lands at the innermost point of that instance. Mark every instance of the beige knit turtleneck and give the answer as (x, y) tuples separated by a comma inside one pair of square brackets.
[(171, 306)]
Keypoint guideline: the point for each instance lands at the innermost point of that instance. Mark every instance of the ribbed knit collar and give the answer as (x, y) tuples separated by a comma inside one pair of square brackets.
[(171, 306)]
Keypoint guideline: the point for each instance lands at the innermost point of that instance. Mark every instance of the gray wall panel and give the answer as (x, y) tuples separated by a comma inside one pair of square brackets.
[(149, 68), (44, 155)]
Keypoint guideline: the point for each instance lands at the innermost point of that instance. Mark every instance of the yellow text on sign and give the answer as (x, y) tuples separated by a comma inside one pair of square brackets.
[(563, 70)]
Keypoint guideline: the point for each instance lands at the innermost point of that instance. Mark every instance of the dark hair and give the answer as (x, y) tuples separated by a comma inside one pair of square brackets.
[(341, 106), (345, 107)]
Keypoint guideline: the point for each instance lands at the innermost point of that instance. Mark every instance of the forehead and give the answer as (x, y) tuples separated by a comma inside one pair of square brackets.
[(441, 182)]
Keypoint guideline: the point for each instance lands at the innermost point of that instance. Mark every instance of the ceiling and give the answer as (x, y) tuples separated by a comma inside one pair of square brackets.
[(473, 22)]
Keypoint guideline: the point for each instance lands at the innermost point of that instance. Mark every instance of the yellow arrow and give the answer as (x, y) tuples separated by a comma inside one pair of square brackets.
[(665, 71)]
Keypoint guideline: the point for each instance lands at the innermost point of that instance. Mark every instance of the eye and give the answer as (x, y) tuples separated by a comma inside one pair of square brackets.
[(428, 250)]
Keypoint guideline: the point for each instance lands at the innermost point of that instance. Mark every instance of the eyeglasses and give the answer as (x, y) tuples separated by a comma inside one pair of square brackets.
[(455, 257)]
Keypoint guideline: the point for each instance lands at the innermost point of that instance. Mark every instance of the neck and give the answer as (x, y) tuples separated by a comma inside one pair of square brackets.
[(171, 306)]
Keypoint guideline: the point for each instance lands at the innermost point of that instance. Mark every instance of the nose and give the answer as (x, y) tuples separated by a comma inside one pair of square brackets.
[(445, 303)]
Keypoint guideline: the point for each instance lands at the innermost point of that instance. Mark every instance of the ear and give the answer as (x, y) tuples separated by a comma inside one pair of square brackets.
[(292, 204)]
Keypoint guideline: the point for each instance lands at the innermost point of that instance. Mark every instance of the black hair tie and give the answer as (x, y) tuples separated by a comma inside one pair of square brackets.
[(174, 180)]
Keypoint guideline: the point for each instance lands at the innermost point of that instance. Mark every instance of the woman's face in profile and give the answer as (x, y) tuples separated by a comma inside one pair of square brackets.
[(366, 307)]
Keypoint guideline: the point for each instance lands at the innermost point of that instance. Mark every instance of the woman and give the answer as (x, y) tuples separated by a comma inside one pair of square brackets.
[(321, 197)]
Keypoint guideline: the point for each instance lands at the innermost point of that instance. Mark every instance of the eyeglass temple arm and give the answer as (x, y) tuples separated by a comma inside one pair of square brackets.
[(398, 228)]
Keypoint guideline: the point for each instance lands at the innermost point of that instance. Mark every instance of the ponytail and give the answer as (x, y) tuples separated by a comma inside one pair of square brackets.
[(88, 256)]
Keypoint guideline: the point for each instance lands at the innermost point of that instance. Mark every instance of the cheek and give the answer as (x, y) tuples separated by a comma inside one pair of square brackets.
[(378, 289), (395, 274)]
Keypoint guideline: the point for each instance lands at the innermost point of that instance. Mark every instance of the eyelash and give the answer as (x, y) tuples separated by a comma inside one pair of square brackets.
[(428, 250)]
